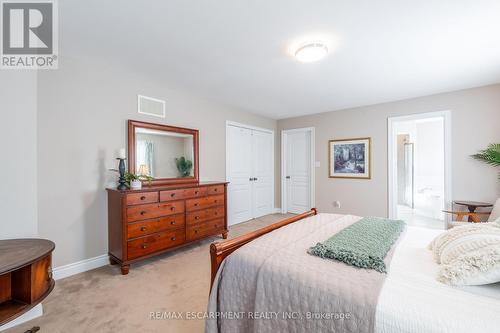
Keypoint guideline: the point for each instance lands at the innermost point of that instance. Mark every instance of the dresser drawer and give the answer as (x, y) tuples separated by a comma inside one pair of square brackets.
[(216, 189), (206, 202), (172, 207), (151, 211), (142, 198), (142, 212), (204, 215), (204, 229), (183, 193), (138, 229), (156, 242)]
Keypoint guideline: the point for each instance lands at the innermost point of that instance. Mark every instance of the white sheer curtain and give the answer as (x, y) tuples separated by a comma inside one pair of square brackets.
[(145, 156)]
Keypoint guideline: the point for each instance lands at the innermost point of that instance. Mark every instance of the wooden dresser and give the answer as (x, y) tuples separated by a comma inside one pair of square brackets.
[(143, 223)]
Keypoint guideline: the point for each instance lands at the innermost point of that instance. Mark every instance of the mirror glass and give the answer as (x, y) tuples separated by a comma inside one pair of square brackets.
[(163, 154)]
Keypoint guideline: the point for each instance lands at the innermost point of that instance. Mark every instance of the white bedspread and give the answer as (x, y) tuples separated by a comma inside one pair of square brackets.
[(413, 301)]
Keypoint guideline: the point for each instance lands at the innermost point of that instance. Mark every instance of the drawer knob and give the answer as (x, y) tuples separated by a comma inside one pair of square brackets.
[(144, 246), (215, 201), (172, 222), (172, 208), (215, 213), (196, 231), (143, 212), (195, 192), (215, 190), (172, 195), (143, 198), (143, 228), (197, 217), (196, 204), (173, 238)]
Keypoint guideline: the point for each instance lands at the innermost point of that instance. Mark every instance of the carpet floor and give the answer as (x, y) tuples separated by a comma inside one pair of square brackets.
[(102, 300)]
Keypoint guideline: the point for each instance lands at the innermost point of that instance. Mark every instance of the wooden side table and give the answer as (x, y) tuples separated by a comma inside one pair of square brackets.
[(472, 206), (25, 275)]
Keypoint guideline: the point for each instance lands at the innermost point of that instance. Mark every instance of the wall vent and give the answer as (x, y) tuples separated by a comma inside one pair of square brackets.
[(150, 106)]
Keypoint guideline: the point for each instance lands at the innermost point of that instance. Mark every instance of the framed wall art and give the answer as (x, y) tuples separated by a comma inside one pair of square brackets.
[(350, 158)]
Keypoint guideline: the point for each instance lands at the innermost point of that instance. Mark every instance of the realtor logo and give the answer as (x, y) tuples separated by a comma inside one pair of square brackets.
[(29, 35)]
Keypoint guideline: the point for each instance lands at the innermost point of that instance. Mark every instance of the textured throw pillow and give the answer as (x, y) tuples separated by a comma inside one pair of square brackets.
[(463, 239), (478, 267), (468, 243)]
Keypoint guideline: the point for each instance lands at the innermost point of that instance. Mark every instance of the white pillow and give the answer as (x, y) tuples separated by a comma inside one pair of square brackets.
[(463, 239), (478, 267), (466, 244)]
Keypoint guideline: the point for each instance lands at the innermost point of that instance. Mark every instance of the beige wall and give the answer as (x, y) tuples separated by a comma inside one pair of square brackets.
[(475, 124), (18, 162), (83, 111), (81, 122)]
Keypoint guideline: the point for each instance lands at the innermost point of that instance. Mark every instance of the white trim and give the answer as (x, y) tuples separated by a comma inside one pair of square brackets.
[(151, 99), (391, 160), (255, 128), (35, 312), (276, 210), (234, 123), (283, 166), (65, 271)]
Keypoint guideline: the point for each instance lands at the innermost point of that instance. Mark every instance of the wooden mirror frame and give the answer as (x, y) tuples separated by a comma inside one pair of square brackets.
[(133, 124)]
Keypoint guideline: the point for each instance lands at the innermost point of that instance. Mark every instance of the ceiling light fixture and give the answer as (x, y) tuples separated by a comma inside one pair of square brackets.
[(311, 52)]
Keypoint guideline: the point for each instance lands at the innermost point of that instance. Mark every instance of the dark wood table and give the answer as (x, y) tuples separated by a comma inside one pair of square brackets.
[(25, 275), (472, 206)]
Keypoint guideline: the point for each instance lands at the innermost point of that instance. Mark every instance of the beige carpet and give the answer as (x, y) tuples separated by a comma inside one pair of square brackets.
[(102, 300)]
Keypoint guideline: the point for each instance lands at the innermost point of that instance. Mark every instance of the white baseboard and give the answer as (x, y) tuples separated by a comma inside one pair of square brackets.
[(36, 312), (276, 210), (80, 266)]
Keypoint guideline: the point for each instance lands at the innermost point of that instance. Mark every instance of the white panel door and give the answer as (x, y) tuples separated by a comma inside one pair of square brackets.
[(239, 150), (298, 171), (262, 156)]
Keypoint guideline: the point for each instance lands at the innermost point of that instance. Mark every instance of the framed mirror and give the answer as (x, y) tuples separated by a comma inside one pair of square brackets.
[(168, 154)]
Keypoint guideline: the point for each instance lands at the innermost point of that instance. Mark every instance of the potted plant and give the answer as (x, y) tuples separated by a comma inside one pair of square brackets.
[(490, 155), (134, 181), (184, 166)]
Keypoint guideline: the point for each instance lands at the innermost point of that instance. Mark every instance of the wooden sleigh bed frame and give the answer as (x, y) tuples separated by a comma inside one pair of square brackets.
[(220, 250)]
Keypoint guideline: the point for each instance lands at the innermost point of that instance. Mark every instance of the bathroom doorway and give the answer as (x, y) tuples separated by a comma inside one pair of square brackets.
[(418, 169)]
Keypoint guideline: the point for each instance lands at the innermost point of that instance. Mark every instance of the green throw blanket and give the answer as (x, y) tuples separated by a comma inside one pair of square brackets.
[(363, 244)]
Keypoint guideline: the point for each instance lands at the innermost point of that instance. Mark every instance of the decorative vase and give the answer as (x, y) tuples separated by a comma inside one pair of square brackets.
[(135, 184)]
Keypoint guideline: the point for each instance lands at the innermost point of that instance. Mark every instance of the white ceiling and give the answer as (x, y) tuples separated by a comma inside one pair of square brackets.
[(237, 52)]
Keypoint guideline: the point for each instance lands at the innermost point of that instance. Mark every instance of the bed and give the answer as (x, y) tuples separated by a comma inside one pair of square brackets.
[(270, 275)]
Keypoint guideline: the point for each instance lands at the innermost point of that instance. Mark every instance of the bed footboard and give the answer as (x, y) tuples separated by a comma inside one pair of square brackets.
[(220, 250)]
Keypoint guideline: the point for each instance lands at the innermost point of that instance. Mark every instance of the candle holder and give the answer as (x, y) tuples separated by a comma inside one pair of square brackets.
[(122, 181)]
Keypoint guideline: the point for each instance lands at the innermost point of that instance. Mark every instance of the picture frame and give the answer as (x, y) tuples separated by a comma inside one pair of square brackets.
[(349, 158)]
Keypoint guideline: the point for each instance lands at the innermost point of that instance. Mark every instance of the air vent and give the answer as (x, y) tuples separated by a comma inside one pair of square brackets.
[(150, 106)]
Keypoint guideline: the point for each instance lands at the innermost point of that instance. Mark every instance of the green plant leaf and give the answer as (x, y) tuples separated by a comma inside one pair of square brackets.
[(490, 155)]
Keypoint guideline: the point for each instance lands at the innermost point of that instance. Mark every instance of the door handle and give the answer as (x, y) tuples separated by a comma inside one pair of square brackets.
[(287, 177), (250, 179), (254, 178)]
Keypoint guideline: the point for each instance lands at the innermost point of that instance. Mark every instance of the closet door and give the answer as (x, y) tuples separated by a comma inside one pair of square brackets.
[(239, 171), (263, 170)]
